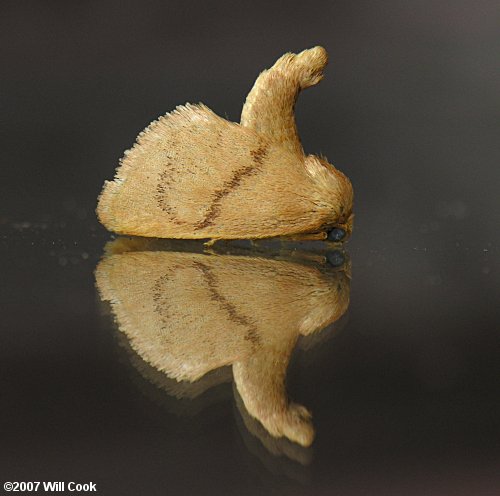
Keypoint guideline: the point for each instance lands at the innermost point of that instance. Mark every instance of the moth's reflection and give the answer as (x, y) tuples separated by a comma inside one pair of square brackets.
[(189, 314)]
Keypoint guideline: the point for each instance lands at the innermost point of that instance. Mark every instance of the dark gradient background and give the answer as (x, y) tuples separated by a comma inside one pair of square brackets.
[(406, 397)]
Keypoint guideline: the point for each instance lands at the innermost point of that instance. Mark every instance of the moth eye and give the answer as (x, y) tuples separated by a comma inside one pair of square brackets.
[(336, 234), (335, 258)]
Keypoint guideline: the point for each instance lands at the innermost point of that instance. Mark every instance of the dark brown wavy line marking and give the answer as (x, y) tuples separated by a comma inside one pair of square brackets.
[(160, 305), (214, 210), (165, 180), (252, 333)]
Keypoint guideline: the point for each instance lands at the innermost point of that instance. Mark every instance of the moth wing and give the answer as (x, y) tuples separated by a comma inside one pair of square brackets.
[(164, 305), (182, 314), (193, 174)]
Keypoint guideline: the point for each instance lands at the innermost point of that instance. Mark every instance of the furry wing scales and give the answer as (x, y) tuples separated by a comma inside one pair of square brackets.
[(193, 174), (164, 304)]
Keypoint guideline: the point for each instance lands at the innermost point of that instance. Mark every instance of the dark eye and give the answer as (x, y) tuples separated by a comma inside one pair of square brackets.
[(335, 258), (336, 234)]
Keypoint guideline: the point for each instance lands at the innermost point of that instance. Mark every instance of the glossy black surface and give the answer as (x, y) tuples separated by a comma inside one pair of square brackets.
[(404, 394)]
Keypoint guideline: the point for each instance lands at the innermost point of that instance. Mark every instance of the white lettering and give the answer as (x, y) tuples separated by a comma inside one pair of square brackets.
[(53, 486), (73, 486)]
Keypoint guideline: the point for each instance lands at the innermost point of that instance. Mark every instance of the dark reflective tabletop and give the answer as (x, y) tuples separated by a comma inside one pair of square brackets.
[(397, 363)]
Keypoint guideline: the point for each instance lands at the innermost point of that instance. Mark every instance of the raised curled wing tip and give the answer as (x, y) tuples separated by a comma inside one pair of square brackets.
[(317, 53), (311, 63)]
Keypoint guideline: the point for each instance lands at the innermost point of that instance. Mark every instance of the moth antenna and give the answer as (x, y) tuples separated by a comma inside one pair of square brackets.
[(269, 107)]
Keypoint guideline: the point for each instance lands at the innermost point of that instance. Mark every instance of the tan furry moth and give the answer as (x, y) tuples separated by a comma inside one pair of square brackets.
[(194, 175), (187, 314)]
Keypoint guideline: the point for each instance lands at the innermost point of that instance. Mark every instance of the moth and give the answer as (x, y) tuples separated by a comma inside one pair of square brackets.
[(194, 175), (187, 314)]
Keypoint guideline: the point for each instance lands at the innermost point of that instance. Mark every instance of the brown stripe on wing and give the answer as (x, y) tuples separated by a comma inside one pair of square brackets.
[(252, 333), (161, 198), (215, 207)]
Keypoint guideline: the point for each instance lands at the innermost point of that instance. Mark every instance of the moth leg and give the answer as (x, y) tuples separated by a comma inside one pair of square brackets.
[(258, 243), (305, 256), (210, 242), (269, 107), (305, 237)]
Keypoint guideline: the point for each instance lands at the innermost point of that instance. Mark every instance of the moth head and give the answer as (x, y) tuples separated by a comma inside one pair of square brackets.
[(334, 191)]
